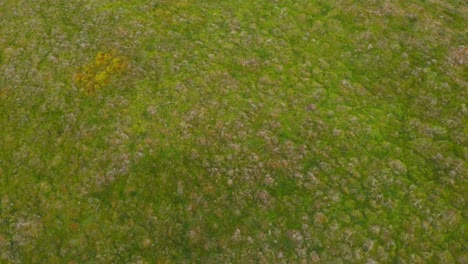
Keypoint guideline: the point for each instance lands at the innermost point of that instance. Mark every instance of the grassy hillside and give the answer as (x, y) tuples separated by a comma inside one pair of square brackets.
[(258, 131)]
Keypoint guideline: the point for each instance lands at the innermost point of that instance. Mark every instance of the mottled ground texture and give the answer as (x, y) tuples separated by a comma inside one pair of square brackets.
[(216, 131)]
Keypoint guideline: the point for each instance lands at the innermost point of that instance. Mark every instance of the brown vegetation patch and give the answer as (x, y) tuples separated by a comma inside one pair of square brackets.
[(459, 55)]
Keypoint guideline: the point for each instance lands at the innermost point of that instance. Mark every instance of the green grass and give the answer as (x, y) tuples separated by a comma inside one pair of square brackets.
[(241, 131)]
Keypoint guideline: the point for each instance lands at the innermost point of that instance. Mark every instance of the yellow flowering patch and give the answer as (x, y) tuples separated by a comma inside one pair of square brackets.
[(99, 72)]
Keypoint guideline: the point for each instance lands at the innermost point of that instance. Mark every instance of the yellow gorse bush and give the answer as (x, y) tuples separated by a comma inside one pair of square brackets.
[(100, 71)]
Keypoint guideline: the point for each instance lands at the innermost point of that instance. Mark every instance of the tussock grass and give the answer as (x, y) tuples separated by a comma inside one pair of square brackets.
[(238, 131)]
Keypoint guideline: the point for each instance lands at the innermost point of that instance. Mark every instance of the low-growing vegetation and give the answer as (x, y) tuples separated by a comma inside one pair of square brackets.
[(99, 72), (256, 131)]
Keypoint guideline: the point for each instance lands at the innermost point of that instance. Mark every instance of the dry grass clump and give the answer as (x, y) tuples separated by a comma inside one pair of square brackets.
[(460, 55)]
